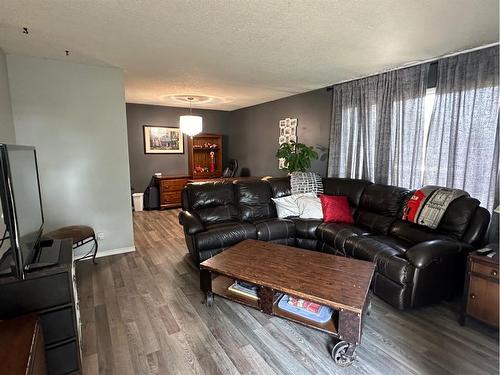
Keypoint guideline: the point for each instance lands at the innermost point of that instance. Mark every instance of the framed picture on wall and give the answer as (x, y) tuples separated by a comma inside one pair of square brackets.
[(163, 140)]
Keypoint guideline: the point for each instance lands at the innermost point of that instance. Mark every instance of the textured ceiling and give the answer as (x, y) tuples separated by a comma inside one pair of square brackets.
[(243, 52)]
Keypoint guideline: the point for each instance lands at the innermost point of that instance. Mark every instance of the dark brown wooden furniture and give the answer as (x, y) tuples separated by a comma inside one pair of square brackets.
[(338, 282), (170, 188), (224, 179), (199, 155), (21, 347), (481, 292), (51, 293), (80, 234)]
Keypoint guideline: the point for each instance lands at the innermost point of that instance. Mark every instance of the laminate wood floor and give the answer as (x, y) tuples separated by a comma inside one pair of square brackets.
[(142, 313)]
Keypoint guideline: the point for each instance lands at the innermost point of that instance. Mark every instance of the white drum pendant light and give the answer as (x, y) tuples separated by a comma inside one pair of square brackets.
[(189, 124)]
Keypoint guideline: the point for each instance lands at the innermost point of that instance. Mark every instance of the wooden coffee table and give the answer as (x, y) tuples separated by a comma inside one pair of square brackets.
[(338, 282)]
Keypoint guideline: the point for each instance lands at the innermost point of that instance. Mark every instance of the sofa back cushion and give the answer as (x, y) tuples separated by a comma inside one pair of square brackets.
[(414, 233), (456, 219), (213, 202), (280, 186), (455, 224), (478, 226), (351, 188), (254, 200), (379, 206)]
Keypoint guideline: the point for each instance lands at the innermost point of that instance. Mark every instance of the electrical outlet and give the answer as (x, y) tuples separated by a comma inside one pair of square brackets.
[(100, 235)]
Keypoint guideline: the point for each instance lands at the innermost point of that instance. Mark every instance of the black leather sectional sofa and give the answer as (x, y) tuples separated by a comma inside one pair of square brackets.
[(415, 265)]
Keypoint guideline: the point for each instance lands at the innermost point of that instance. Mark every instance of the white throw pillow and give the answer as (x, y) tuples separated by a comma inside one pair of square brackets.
[(287, 206), (309, 207)]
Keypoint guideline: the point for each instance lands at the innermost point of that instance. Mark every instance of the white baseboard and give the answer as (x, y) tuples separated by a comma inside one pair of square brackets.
[(105, 253)]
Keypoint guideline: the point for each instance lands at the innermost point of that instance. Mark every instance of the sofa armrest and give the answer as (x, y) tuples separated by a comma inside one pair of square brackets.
[(423, 254), (191, 223)]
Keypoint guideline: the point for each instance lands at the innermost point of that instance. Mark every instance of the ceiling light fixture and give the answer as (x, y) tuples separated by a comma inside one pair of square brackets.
[(190, 124)]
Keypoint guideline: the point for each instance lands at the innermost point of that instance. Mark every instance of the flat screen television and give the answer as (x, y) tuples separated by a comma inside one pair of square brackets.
[(21, 205)]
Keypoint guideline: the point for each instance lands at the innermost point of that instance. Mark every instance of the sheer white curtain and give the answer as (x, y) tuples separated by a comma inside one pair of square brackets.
[(377, 127), (462, 148)]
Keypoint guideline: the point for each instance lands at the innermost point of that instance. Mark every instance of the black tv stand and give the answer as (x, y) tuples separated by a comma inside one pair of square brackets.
[(49, 291), (47, 255)]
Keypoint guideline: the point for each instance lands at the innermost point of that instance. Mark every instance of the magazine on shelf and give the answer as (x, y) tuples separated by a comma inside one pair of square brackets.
[(305, 309), (302, 304), (245, 289)]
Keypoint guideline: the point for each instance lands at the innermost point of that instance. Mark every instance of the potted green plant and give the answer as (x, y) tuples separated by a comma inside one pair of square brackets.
[(297, 156)]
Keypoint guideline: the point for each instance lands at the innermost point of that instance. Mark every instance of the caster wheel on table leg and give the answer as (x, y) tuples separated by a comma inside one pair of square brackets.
[(338, 351), (209, 299)]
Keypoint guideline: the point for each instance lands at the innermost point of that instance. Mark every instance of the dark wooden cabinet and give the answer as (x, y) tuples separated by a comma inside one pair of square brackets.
[(22, 346), (481, 293), (170, 189), (203, 151), (51, 293)]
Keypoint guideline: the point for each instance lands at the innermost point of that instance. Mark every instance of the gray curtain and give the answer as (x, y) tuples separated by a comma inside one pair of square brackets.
[(462, 147), (377, 127)]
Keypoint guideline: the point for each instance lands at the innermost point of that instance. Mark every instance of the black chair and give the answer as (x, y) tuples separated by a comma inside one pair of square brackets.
[(231, 169)]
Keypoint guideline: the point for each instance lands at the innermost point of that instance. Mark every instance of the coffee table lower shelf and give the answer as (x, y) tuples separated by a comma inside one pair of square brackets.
[(349, 328)]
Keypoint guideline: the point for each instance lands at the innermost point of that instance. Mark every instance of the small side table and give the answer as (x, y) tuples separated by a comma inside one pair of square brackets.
[(481, 292)]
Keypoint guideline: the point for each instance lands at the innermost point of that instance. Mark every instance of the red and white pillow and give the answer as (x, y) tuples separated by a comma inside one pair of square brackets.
[(330, 208)]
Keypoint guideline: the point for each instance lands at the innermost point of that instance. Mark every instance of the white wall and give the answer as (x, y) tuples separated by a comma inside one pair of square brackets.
[(75, 117), (6, 126), (7, 134)]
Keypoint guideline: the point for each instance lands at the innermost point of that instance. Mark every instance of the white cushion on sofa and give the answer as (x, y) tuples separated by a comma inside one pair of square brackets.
[(287, 206), (309, 207)]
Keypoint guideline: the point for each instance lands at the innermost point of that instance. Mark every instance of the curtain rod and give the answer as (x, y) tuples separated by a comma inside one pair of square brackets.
[(415, 63)]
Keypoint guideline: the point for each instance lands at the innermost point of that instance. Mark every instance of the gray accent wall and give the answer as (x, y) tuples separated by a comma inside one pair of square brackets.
[(7, 133), (74, 115), (143, 166), (254, 131)]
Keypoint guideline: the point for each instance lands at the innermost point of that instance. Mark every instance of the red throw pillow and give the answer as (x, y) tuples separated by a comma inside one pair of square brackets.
[(336, 209)]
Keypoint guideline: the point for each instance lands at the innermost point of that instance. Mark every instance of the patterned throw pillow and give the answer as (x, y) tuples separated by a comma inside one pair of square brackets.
[(306, 182)]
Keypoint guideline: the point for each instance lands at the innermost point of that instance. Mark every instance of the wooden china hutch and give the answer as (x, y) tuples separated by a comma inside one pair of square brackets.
[(205, 156), (204, 161)]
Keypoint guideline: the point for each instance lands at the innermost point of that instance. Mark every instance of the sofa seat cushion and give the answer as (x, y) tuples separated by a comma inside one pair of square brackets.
[(306, 228), (274, 228), (396, 243), (335, 234), (414, 233), (225, 234), (388, 260)]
